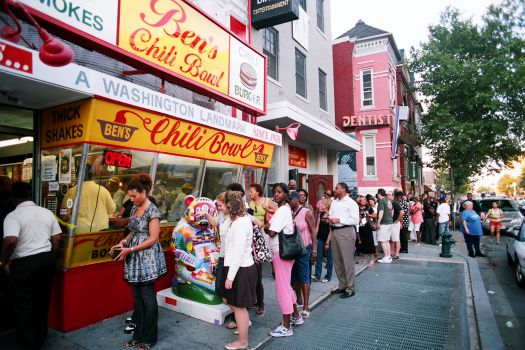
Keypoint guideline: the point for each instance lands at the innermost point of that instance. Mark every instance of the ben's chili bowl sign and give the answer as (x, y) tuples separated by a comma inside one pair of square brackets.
[(177, 37), (107, 123), (171, 37)]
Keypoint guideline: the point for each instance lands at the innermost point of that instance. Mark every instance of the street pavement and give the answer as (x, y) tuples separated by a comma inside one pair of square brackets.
[(407, 305), (506, 297), (421, 301)]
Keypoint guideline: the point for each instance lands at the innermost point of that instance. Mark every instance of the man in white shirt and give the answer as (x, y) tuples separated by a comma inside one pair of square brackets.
[(31, 237), (343, 218), (443, 217)]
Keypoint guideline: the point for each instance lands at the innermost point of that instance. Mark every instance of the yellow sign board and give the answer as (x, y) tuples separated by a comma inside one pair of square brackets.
[(105, 123), (177, 37), (91, 248)]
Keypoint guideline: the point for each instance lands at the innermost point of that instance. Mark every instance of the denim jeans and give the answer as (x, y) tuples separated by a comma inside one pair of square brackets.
[(319, 261), (147, 312), (443, 229)]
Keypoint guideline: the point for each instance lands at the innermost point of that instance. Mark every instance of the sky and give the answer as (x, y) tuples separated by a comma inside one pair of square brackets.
[(407, 20)]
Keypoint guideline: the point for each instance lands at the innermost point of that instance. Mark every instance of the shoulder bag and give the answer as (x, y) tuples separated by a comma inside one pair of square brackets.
[(291, 247), (260, 251)]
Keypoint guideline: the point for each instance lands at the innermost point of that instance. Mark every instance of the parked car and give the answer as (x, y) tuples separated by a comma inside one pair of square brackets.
[(516, 253), (511, 214), (521, 205)]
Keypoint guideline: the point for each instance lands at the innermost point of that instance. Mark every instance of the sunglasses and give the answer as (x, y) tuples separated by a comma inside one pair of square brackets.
[(328, 194)]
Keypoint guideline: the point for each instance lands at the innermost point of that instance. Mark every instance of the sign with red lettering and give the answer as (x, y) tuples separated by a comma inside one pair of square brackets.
[(297, 157), (172, 39), (121, 160), (104, 123), (366, 120)]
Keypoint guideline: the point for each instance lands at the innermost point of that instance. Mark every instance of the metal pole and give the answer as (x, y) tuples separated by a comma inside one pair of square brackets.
[(76, 204)]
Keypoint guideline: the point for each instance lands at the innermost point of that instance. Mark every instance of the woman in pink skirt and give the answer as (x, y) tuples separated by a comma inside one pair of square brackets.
[(282, 221)]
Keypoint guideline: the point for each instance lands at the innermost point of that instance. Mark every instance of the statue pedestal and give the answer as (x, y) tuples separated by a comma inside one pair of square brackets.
[(209, 313)]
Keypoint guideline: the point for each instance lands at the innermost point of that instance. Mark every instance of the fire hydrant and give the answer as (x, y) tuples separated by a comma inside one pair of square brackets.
[(446, 244)]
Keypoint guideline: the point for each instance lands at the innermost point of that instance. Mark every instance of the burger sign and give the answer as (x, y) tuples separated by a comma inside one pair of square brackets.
[(247, 75)]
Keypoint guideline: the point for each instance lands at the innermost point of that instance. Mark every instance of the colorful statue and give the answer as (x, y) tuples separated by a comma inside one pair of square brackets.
[(197, 254)]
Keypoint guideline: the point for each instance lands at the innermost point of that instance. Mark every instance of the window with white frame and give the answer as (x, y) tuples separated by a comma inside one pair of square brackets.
[(367, 93), (300, 73), (369, 155), (271, 50), (320, 15), (322, 91)]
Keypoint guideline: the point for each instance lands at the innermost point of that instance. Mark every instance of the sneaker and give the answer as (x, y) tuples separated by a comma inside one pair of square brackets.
[(129, 320), (325, 280), (296, 321), (315, 278), (282, 331), (385, 260), (130, 328)]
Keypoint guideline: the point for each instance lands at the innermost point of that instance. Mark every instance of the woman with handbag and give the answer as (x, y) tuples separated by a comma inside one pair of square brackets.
[(365, 236), (282, 222), (239, 274), (263, 209), (301, 278), (144, 261)]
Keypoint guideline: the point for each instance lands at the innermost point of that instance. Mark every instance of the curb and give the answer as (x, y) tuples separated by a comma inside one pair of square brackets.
[(317, 302), (488, 330)]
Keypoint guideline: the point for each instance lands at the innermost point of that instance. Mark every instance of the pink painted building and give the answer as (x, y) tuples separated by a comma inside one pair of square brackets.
[(368, 73)]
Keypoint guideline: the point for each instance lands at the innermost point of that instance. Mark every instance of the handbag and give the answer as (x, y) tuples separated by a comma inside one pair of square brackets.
[(291, 247), (260, 251), (372, 224)]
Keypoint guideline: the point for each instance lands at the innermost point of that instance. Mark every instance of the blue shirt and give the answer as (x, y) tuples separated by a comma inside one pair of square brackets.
[(473, 222)]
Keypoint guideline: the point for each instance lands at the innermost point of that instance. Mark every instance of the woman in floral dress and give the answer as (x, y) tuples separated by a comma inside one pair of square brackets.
[(143, 261)]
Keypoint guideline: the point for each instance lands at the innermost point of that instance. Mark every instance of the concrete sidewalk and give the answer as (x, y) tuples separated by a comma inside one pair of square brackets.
[(177, 331)]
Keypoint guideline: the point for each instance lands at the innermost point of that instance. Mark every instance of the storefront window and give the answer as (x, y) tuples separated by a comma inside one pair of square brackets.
[(253, 175), (108, 171), (176, 178), (57, 174), (218, 176)]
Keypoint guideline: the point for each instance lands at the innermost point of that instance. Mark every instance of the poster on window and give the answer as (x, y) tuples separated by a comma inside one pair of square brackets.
[(64, 175), (49, 168), (347, 170)]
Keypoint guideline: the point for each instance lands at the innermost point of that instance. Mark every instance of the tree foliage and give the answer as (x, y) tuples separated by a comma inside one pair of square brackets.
[(506, 184), (473, 77), (522, 179)]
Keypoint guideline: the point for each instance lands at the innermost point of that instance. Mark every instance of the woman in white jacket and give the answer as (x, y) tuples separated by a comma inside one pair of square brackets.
[(239, 275)]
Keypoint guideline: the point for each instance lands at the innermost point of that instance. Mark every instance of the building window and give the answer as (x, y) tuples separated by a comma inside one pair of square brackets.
[(322, 90), (271, 49), (303, 4), (320, 15), (367, 93), (369, 155), (300, 73)]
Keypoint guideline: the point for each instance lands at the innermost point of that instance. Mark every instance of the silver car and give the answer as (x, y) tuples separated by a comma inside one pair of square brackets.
[(516, 253), (511, 213)]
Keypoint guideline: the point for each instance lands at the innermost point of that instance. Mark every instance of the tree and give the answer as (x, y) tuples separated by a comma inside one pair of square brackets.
[(473, 78), (521, 179), (506, 184)]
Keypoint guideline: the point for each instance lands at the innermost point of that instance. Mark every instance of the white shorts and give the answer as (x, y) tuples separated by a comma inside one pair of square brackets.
[(374, 233), (413, 228), (384, 233), (395, 230)]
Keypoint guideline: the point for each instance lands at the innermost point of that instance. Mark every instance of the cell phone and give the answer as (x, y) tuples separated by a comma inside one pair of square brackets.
[(115, 253)]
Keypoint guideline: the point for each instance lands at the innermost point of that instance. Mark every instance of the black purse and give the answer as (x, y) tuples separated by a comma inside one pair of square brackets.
[(291, 247)]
